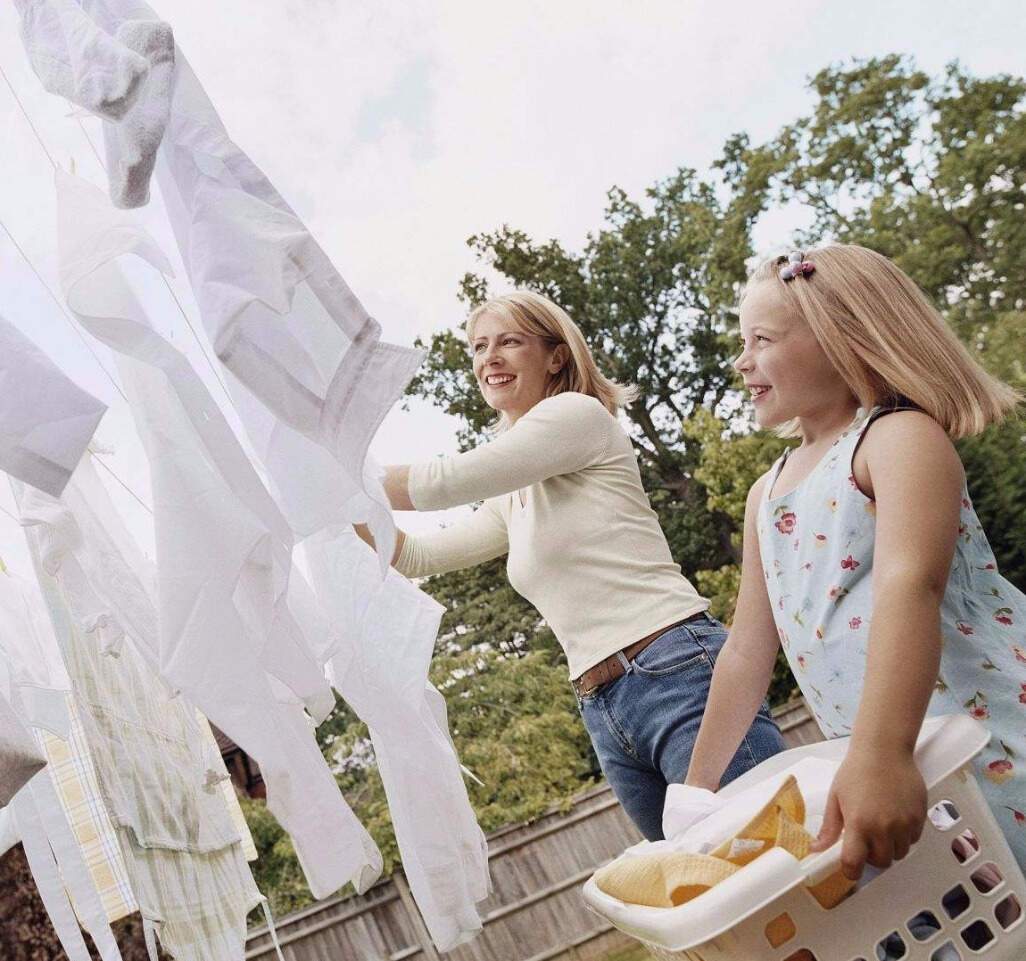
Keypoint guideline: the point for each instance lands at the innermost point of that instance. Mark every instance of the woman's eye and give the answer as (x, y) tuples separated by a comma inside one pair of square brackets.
[(510, 341)]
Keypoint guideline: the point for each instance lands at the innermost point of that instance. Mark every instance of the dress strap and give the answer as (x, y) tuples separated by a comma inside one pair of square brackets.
[(874, 415), (779, 466)]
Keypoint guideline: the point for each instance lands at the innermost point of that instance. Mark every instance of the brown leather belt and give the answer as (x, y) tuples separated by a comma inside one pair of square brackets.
[(612, 667)]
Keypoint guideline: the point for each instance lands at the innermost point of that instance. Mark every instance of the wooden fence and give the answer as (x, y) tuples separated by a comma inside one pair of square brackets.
[(535, 911)]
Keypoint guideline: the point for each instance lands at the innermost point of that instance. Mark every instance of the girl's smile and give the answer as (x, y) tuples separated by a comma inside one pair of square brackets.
[(786, 371)]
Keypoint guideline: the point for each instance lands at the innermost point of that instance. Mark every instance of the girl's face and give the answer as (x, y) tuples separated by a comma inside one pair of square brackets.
[(513, 369), (788, 373)]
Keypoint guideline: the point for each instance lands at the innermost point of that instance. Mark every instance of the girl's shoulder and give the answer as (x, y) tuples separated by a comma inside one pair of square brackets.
[(902, 432), (899, 440)]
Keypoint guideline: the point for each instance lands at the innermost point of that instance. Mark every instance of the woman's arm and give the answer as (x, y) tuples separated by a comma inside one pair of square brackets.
[(481, 537), (363, 532), (559, 435), (744, 667), (397, 488), (878, 795)]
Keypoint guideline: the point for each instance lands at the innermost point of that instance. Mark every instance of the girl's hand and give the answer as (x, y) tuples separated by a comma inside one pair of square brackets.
[(878, 799)]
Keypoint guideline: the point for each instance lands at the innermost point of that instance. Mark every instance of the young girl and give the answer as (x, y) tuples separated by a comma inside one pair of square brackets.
[(862, 552)]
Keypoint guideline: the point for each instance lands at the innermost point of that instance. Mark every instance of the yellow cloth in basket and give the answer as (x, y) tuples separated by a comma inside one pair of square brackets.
[(665, 880)]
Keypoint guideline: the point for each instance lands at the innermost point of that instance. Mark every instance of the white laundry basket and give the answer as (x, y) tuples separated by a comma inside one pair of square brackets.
[(937, 904)]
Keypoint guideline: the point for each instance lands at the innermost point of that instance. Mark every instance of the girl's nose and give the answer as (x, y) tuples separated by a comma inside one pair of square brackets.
[(741, 362)]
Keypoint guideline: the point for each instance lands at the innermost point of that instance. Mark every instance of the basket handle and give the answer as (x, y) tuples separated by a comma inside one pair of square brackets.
[(945, 745), (820, 866)]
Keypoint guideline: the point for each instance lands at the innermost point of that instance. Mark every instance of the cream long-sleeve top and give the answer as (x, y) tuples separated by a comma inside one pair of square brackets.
[(563, 498)]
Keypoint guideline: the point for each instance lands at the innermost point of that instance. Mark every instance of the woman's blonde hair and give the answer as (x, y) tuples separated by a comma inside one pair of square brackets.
[(532, 313), (887, 341)]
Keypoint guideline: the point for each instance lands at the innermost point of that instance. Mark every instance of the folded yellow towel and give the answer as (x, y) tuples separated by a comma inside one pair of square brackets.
[(665, 880)]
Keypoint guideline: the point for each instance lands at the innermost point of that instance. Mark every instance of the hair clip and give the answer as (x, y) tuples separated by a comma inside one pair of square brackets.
[(796, 267)]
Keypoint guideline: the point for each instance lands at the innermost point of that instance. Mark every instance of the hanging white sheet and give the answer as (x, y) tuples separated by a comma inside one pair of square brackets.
[(317, 381), (278, 313), (228, 639), (381, 668), (46, 420)]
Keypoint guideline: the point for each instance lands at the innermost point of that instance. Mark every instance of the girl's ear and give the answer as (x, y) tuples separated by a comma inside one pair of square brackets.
[(560, 356)]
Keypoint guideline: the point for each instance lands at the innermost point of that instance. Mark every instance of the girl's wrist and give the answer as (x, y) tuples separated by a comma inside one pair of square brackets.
[(881, 748)]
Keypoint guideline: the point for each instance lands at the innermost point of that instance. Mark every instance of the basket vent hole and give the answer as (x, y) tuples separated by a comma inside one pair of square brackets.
[(956, 902), (946, 952), (987, 877), (1008, 911), (966, 846), (891, 948), (944, 815), (977, 936), (780, 930), (802, 954), (924, 925)]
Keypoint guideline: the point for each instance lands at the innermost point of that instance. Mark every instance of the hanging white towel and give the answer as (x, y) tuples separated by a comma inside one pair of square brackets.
[(75, 58)]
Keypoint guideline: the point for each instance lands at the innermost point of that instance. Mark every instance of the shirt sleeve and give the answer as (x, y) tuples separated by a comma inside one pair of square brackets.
[(482, 537), (559, 435)]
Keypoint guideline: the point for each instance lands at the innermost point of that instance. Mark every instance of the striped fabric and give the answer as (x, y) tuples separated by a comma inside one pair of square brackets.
[(75, 781)]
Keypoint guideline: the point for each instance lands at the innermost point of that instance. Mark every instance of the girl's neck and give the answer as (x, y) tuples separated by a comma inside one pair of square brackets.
[(825, 424)]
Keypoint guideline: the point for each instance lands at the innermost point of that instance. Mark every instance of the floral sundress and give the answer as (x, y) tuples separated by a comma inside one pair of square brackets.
[(817, 545)]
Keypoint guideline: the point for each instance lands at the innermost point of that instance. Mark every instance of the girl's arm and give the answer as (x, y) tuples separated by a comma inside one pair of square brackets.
[(744, 667), (878, 795), (559, 435)]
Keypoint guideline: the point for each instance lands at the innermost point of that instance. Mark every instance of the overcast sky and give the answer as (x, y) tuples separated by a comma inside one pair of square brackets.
[(399, 129)]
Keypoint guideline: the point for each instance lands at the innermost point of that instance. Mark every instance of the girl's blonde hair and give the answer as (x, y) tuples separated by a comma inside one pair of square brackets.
[(887, 341), (532, 313)]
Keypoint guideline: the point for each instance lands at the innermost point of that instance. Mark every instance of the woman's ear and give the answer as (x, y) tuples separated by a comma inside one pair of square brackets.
[(560, 357)]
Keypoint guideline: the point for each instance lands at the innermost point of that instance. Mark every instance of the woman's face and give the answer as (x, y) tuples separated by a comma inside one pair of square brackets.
[(513, 369)]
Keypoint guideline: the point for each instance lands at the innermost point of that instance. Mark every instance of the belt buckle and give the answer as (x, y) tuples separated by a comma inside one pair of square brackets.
[(585, 693)]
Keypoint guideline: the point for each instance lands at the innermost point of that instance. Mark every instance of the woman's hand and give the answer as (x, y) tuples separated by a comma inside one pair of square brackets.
[(363, 532), (396, 483), (878, 800)]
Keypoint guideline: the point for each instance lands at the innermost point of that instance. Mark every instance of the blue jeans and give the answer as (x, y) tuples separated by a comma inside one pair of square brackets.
[(644, 724)]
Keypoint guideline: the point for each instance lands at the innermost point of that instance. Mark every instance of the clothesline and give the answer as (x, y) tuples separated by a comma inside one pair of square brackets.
[(24, 255), (60, 306), (21, 107)]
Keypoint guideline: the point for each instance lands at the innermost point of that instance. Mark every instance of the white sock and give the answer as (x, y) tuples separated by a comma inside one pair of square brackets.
[(76, 59), (140, 131)]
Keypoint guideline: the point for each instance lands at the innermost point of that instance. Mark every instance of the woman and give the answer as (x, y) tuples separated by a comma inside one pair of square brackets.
[(563, 498)]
